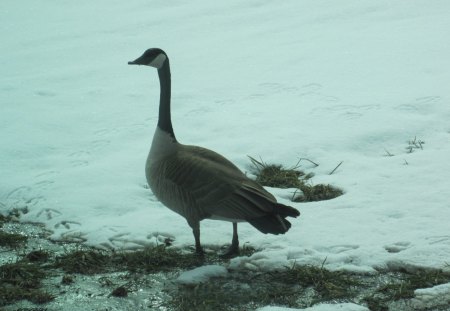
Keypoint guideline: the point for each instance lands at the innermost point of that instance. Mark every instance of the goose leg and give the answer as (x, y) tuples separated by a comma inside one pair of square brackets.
[(233, 250), (198, 246)]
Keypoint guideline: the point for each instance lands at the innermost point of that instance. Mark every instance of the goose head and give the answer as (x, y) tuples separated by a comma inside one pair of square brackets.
[(152, 57)]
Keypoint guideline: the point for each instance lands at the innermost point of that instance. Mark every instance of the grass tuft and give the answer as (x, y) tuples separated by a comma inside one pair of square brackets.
[(155, 259), (317, 193), (327, 284), (84, 262), (403, 287), (414, 144), (120, 291), (148, 260), (22, 280), (23, 274), (12, 240), (247, 291), (274, 175), (37, 256)]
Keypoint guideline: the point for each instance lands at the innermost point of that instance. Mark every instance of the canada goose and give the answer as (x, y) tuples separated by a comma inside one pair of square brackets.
[(198, 183)]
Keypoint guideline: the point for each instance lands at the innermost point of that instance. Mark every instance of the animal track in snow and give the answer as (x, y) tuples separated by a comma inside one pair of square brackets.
[(76, 163), (310, 88), (66, 224), (427, 99), (445, 239), (79, 158), (99, 144), (306, 89), (224, 102), (46, 174), (346, 111), (79, 154), (73, 236), (163, 238), (197, 111), (49, 213), (122, 240), (45, 93), (21, 198), (270, 88), (102, 132), (397, 247), (19, 192), (114, 131), (336, 249), (420, 104), (44, 183)]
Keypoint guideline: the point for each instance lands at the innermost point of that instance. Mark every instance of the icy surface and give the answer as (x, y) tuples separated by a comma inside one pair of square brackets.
[(201, 274), (328, 81), (321, 307)]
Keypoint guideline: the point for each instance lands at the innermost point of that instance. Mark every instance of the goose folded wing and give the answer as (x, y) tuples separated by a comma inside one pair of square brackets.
[(218, 189)]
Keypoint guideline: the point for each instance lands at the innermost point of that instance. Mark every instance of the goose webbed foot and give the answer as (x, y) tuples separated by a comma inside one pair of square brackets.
[(233, 250), (199, 251)]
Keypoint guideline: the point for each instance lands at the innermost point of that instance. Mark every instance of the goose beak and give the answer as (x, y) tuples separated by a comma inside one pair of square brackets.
[(133, 63)]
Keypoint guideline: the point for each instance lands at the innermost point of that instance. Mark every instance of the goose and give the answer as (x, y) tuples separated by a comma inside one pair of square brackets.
[(198, 183)]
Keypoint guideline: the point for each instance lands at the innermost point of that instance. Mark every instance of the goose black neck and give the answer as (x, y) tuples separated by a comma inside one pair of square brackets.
[(164, 121)]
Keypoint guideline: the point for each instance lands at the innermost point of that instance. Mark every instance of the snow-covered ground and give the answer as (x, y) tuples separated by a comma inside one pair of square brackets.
[(330, 81)]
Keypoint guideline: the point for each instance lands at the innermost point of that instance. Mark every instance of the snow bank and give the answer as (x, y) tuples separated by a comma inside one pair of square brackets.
[(320, 307), (201, 274), (433, 296)]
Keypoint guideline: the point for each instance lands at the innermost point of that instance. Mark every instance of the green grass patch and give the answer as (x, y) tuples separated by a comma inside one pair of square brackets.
[(226, 294), (149, 260), (22, 280), (275, 175), (246, 291), (317, 193), (12, 240), (37, 256), (327, 284), (89, 261), (403, 287), (156, 259)]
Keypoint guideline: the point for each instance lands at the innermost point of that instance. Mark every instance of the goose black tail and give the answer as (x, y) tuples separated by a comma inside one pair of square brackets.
[(286, 211), (275, 223)]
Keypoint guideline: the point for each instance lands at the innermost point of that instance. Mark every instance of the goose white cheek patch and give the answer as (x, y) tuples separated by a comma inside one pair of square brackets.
[(158, 62)]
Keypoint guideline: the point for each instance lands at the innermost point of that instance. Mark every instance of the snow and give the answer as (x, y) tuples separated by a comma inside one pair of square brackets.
[(436, 295), (327, 81), (201, 274), (321, 307)]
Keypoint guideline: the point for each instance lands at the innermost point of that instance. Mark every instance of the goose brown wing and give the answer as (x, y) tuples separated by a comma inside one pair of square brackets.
[(215, 187)]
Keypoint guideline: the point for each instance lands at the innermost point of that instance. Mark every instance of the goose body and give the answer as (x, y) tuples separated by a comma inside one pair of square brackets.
[(198, 183)]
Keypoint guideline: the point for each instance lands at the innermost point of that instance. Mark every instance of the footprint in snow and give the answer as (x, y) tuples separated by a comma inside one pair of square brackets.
[(67, 224), (441, 239), (337, 249), (48, 213), (46, 174), (99, 144), (420, 104), (45, 93), (73, 236), (44, 184), (22, 198), (123, 240), (397, 247)]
